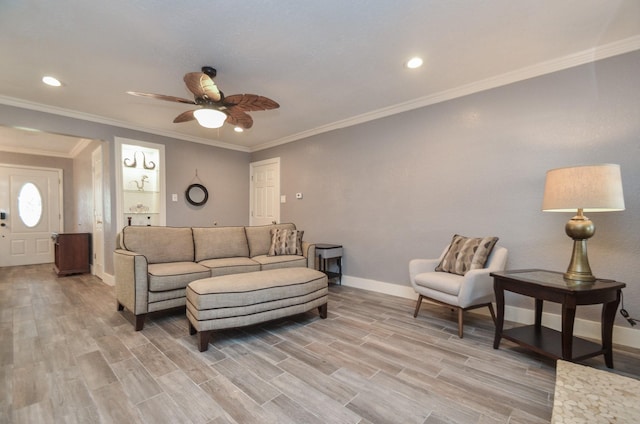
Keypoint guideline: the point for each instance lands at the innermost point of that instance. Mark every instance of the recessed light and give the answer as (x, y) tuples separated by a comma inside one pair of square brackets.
[(238, 129), (414, 62), (54, 82)]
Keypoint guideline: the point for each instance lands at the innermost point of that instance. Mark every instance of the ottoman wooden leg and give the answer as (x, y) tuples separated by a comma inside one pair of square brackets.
[(203, 340), (323, 311)]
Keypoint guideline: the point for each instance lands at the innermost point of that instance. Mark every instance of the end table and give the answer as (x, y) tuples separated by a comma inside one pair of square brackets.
[(325, 252), (548, 285)]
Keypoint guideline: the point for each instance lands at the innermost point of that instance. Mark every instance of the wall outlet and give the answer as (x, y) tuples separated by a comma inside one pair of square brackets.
[(174, 197), (283, 198), (298, 195)]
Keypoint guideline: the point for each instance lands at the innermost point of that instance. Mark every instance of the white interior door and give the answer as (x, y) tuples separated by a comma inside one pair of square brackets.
[(98, 211), (265, 192), (31, 202)]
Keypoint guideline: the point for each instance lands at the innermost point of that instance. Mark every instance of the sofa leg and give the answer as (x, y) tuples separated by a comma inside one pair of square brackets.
[(322, 309), (418, 303), (203, 340), (120, 307), (192, 329), (140, 321)]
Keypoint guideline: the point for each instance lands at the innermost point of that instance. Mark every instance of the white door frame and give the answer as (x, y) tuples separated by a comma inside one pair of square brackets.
[(276, 195), (97, 268)]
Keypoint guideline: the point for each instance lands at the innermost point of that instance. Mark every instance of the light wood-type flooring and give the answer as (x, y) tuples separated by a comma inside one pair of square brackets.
[(67, 356)]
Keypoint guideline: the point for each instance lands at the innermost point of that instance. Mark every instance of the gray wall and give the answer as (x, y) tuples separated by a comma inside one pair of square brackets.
[(399, 187), (224, 172)]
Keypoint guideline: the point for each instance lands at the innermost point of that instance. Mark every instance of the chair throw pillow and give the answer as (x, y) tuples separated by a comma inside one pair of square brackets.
[(285, 242), (465, 254)]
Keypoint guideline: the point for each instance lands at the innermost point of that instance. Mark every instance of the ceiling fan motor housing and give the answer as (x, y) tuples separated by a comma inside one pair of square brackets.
[(209, 71)]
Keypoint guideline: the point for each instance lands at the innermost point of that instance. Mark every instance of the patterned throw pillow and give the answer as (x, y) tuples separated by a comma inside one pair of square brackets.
[(465, 254), (285, 242)]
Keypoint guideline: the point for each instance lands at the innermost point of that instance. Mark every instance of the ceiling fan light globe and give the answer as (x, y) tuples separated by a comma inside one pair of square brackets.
[(210, 118)]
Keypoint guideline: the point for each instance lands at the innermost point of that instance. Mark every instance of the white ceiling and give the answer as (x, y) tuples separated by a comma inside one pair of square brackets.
[(329, 63)]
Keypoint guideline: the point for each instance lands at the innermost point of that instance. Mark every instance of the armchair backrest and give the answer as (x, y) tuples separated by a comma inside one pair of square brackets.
[(497, 260)]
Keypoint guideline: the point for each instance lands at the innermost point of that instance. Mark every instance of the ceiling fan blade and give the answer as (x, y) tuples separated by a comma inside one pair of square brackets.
[(162, 97), (201, 85), (249, 102), (239, 118), (184, 117)]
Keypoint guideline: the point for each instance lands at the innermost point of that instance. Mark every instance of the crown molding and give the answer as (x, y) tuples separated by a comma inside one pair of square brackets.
[(11, 101), (576, 59)]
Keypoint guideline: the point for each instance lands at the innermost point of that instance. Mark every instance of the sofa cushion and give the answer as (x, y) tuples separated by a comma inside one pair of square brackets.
[(282, 261), (259, 238), (465, 254), (220, 242), (285, 242), (159, 244), (175, 275), (226, 266)]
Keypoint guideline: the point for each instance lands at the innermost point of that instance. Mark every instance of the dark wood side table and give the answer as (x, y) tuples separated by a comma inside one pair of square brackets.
[(325, 252), (548, 285), (71, 253)]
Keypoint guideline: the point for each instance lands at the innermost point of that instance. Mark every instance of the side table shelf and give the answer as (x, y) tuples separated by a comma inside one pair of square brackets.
[(325, 253)]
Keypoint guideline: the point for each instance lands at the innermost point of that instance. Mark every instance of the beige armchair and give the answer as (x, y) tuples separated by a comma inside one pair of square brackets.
[(461, 292)]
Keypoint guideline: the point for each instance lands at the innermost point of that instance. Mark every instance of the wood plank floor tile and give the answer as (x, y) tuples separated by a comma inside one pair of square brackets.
[(96, 370), (246, 380), (193, 402), (314, 401), (68, 356), (136, 381), (154, 360), (161, 410), (287, 411), (236, 403)]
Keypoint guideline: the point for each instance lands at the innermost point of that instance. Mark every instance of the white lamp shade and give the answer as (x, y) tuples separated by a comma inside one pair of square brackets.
[(592, 188), (210, 118)]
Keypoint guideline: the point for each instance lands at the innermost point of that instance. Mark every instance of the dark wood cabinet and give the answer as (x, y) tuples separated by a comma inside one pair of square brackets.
[(72, 253)]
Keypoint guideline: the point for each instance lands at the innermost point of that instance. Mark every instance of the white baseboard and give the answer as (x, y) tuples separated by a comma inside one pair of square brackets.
[(582, 328), (109, 279)]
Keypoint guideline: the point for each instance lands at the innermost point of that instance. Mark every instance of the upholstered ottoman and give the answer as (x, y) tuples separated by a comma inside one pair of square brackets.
[(238, 300)]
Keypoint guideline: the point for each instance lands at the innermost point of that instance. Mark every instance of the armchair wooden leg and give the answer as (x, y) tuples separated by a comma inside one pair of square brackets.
[(460, 321), (493, 314), (418, 303)]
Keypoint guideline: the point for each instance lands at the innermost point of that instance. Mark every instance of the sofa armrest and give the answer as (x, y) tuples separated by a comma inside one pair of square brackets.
[(309, 252), (131, 281)]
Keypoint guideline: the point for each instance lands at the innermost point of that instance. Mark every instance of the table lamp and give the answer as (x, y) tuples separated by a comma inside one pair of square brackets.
[(590, 188)]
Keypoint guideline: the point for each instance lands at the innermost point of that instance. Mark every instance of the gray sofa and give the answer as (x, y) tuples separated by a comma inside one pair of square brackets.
[(153, 265)]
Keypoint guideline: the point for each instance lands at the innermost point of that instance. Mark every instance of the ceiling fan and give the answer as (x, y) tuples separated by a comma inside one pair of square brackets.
[(215, 108)]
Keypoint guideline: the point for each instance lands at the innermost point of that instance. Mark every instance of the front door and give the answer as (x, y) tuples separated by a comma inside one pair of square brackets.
[(31, 209), (265, 192)]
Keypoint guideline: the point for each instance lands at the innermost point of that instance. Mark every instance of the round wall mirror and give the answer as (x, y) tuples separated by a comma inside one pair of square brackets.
[(197, 194)]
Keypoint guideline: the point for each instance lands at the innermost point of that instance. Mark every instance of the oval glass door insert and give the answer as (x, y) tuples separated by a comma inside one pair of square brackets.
[(30, 205)]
